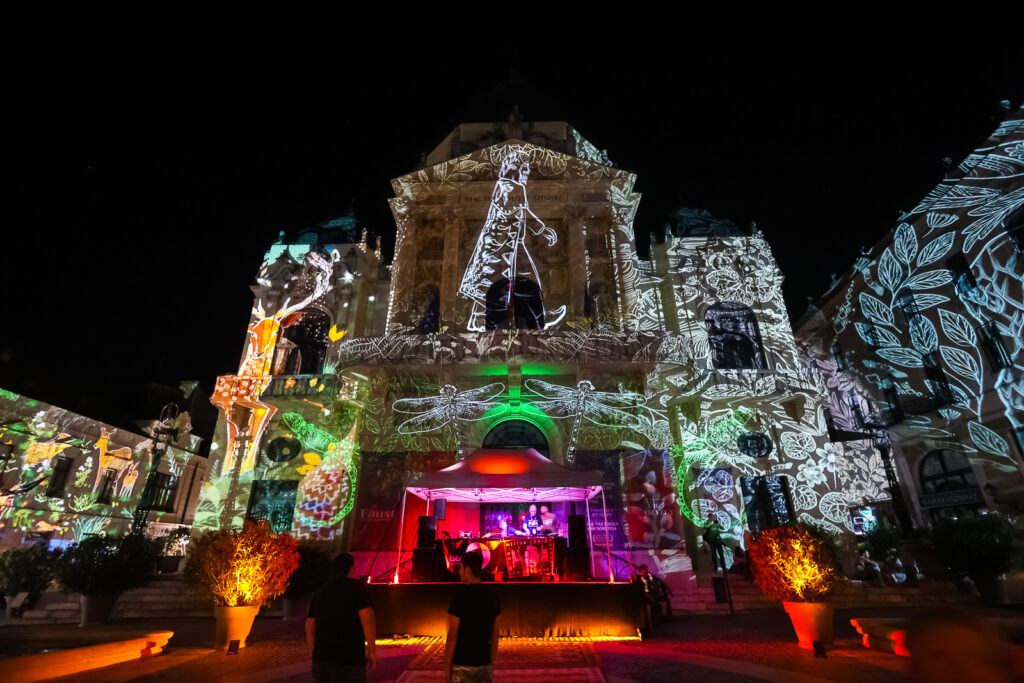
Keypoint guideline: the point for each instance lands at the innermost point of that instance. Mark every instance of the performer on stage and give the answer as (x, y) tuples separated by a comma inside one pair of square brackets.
[(504, 530), (532, 522), (548, 521)]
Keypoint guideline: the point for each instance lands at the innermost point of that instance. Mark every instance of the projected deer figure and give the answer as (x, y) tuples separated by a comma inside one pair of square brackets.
[(448, 408), (584, 403), (246, 388)]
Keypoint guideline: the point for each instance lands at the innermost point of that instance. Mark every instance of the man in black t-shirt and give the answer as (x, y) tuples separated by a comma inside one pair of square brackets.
[(472, 641), (341, 628)]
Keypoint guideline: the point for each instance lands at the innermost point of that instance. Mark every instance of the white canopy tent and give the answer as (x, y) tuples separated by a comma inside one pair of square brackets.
[(493, 475)]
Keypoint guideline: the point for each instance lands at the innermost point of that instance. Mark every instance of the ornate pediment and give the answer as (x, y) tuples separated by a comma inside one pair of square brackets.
[(484, 164)]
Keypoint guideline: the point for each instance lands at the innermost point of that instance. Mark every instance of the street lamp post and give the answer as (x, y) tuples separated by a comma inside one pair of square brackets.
[(163, 432)]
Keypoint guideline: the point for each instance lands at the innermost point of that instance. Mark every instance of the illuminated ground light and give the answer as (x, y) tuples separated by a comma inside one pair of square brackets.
[(427, 640)]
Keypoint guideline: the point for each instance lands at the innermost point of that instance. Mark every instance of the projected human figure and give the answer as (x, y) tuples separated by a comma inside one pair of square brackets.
[(501, 251)]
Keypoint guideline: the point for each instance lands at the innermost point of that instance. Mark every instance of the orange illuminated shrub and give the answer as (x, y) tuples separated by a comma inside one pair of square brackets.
[(250, 566), (795, 563)]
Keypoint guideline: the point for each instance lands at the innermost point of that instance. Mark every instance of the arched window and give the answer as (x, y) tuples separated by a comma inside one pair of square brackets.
[(517, 434), (303, 344), (946, 471), (734, 337), (517, 306)]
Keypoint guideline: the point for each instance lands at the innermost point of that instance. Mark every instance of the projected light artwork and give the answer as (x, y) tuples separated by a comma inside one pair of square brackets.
[(516, 307)]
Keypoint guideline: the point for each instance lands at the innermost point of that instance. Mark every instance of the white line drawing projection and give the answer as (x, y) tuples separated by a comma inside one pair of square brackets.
[(583, 402), (501, 250), (447, 409)]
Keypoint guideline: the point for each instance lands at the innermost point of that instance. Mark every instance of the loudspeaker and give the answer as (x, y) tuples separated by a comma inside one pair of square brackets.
[(577, 560), (426, 565), (577, 531), (426, 532), (440, 508)]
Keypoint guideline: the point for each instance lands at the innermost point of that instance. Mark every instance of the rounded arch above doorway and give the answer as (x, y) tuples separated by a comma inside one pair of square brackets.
[(517, 433)]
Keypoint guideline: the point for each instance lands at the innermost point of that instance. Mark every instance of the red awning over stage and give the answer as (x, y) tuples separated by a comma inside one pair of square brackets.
[(507, 476)]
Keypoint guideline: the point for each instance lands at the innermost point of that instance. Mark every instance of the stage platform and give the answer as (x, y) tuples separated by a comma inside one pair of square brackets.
[(528, 610)]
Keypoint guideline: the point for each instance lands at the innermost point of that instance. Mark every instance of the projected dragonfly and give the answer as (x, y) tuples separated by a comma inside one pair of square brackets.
[(448, 408), (600, 407)]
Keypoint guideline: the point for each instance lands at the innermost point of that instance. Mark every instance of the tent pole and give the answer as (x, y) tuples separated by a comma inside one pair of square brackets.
[(401, 532), (590, 534), (607, 543)]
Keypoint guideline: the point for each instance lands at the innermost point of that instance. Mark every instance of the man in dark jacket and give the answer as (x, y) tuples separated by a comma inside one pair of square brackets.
[(472, 641), (341, 628)]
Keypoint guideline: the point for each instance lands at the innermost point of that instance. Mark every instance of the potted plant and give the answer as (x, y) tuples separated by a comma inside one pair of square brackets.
[(26, 570), (313, 571), (242, 569), (983, 547), (797, 565), (100, 567), (172, 549)]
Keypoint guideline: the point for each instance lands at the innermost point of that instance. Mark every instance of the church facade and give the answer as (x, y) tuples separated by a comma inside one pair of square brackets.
[(517, 313)]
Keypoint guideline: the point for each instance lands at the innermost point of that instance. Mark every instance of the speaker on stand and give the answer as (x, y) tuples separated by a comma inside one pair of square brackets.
[(578, 556), (426, 532)]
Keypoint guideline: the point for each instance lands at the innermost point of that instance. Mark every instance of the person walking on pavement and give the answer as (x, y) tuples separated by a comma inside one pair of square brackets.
[(472, 641), (341, 628)]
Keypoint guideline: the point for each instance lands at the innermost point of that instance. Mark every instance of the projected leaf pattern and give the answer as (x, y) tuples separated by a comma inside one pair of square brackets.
[(40, 435), (966, 214)]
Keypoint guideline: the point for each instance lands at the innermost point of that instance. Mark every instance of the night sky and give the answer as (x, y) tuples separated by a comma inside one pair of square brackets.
[(151, 159)]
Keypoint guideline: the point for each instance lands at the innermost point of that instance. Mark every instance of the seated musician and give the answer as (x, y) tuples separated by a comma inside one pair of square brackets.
[(548, 521)]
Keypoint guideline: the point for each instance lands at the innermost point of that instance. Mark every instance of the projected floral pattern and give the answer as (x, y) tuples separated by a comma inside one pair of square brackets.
[(69, 476)]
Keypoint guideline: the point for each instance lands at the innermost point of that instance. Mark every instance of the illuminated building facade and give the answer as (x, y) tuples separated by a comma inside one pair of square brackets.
[(922, 342), (64, 476), (518, 313)]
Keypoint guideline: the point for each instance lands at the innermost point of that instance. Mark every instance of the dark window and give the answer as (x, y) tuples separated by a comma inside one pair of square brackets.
[(734, 337), (517, 434), (766, 501), (892, 398), (906, 300), (302, 348), (164, 488), (107, 486), (839, 357), (273, 501), (992, 341), (430, 322), (283, 449), (855, 409), (946, 471), (870, 335), (59, 477), (963, 279), (514, 307), (754, 444), (937, 377)]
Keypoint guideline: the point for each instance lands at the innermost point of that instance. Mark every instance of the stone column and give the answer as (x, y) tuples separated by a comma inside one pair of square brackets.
[(454, 225), (576, 267)]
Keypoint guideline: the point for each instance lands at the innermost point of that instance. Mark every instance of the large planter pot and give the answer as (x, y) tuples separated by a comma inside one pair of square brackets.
[(812, 621), (233, 623), (297, 606), (96, 608), (993, 588)]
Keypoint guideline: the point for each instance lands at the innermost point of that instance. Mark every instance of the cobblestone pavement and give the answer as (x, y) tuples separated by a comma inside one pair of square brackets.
[(694, 649)]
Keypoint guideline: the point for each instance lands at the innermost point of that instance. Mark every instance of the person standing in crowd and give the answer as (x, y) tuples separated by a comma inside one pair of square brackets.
[(341, 629), (472, 641)]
